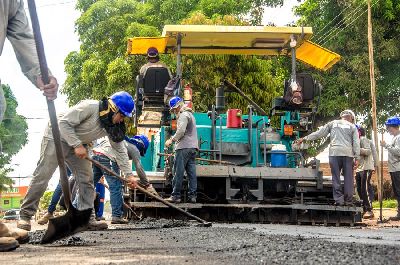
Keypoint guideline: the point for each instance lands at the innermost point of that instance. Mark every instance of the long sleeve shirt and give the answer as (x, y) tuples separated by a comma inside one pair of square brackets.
[(344, 140), (81, 125), (15, 27), (368, 156), (105, 148), (394, 154), (186, 132)]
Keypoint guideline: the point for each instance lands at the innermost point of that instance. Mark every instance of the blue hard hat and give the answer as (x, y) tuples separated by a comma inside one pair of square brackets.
[(140, 141), (152, 52), (393, 121), (174, 102), (124, 102)]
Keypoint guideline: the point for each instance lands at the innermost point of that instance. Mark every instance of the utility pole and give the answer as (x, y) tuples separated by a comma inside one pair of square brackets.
[(373, 101)]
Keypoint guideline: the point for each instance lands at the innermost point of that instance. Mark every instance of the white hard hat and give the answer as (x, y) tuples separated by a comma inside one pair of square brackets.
[(348, 112)]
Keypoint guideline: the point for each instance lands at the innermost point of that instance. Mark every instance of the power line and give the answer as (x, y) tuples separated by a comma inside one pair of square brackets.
[(341, 23), (55, 4), (317, 33), (322, 44)]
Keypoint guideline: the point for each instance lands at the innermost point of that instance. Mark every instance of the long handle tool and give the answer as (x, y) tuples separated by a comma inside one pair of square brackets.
[(73, 221), (158, 198)]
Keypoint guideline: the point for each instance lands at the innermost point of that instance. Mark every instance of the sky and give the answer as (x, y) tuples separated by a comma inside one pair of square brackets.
[(57, 19)]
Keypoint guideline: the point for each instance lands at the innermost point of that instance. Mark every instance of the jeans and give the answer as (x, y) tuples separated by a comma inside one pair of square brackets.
[(56, 195), (184, 160), (115, 185), (101, 190)]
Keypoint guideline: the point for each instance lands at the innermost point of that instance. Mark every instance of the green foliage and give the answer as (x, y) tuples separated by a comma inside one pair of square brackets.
[(13, 135), (45, 200), (342, 27), (385, 204)]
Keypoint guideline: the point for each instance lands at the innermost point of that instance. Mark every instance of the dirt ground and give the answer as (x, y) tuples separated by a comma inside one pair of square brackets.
[(166, 242)]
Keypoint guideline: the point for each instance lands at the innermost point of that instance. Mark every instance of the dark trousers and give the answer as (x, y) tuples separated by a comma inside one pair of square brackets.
[(184, 160), (342, 164), (395, 176), (364, 188)]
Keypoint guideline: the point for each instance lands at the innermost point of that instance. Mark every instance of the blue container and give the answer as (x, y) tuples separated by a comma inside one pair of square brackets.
[(278, 158)]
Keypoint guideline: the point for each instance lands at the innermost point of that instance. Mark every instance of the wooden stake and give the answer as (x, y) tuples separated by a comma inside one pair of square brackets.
[(373, 101)]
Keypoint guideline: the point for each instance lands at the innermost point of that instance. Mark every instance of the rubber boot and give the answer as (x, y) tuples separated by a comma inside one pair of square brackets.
[(8, 244), (19, 234), (45, 219)]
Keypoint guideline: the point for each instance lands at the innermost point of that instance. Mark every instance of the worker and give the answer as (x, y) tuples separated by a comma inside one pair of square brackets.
[(79, 126), (392, 126), (366, 166), (186, 147), (344, 153), (15, 27), (100, 197), (105, 155), (153, 59)]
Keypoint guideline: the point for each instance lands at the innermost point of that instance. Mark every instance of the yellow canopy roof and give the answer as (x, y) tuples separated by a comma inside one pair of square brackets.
[(237, 40)]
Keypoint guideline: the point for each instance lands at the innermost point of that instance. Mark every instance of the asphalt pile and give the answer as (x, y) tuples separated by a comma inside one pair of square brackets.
[(153, 223), (36, 236)]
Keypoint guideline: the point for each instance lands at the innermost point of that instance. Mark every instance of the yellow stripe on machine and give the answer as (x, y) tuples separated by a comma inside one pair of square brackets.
[(237, 40)]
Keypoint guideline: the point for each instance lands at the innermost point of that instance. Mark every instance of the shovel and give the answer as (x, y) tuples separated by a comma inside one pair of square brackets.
[(202, 222), (73, 221)]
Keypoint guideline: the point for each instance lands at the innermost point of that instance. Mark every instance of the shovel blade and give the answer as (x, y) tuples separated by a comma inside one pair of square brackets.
[(72, 222)]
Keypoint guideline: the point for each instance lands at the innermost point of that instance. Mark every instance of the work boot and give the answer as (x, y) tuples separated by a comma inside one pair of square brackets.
[(173, 199), (395, 218), (368, 215), (100, 218), (18, 234), (119, 220), (45, 219), (94, 225), (191, 200), (24, 224), (151, 189), (8, 244)]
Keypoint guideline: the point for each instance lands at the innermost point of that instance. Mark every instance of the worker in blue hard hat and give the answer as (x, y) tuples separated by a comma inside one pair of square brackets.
[(79, 127), (393, 148), (186, 147), (104, 153)]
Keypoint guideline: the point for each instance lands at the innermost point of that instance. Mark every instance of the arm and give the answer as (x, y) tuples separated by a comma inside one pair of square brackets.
[(394, 148), (356, 144), (21, 37), (181, 127), (121, 157), (322, 132), (75, 116), (365, 147), (374, 153), (134, 154)]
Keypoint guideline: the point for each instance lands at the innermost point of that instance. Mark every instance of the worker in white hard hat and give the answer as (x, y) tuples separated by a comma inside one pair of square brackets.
[(344, 153)]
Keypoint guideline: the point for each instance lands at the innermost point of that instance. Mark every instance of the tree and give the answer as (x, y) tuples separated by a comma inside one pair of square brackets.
[(13, 135), (101, 66), (341, 26), (45, 200)]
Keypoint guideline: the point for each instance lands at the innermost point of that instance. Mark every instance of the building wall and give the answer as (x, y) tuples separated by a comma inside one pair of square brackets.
[(12, 198)]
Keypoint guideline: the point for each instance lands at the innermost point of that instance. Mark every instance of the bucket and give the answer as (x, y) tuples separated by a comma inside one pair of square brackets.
[(278, 156), (234, 118)]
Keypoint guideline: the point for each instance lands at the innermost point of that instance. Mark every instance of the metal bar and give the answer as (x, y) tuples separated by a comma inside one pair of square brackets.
[(220, 139), (258, 108), (202, 159)]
